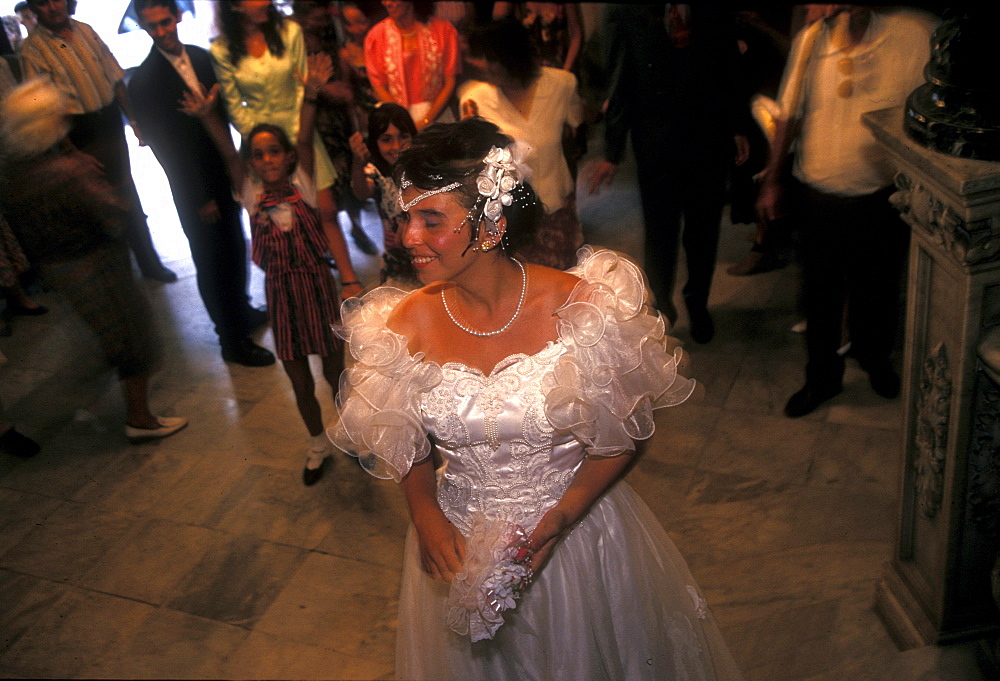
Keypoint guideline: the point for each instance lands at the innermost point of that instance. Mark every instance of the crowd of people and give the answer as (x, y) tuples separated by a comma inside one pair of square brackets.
[(501, 371)]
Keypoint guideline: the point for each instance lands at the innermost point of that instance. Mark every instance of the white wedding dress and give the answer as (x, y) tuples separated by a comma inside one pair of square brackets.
[(615, 600)]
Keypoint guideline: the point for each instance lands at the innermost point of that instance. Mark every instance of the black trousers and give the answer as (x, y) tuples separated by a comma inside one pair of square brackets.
[(853, 250), (682, 186), (102, 135), (219, 253)]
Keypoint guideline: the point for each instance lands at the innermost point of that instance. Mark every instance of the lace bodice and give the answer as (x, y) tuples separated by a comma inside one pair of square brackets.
[(503, 457), (511, 441)]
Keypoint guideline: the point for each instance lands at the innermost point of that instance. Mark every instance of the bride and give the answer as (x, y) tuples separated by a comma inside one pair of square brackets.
[(505, 398)]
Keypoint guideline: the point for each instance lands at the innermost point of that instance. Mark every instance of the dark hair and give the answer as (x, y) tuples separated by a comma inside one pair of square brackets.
[(170, 5), (275, 130), (300, 7), (231, 28), (22, 6), (423, 10), (444, 153), (70, 6), (507, 43), (379, 120)]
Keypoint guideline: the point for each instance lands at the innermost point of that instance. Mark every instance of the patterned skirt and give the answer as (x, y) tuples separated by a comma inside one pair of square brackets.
[(302, 307)]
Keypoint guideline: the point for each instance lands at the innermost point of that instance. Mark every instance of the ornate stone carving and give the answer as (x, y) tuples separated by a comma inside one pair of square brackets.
[(931, 441), (984, 459), (968, 243)]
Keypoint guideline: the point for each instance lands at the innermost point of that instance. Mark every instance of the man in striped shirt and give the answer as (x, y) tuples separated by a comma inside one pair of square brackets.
[(76, 60)]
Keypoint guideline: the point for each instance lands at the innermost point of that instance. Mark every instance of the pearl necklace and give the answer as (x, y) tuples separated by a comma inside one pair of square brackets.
[(520, 302)]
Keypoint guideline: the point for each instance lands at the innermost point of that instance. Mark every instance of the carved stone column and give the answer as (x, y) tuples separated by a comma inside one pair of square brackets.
[(937, 588)]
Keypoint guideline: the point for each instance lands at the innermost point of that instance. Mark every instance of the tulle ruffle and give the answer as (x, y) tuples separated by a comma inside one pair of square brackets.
[(619, 366), (379, 396)]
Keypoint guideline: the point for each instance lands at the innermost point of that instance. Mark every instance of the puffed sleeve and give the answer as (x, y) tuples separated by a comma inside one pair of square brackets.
[(620, 364), (379, 397)]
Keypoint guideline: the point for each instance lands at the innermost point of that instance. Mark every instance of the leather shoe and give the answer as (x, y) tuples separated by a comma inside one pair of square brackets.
[(248, 353), (15, 444), (160, 274), (168, 426), (884, 382), (809, 398), (702, 326), (310, 476)]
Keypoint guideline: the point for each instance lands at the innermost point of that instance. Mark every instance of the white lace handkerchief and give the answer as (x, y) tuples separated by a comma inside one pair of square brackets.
[(493, 578)]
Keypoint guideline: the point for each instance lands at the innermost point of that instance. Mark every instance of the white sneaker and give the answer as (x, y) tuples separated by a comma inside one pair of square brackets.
[(168, 426)]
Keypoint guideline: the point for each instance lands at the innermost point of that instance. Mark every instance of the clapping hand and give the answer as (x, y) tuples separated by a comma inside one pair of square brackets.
[(199, 104)]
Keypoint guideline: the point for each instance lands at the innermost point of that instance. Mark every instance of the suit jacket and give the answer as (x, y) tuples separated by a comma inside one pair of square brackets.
[(194, 167), (681, 96)]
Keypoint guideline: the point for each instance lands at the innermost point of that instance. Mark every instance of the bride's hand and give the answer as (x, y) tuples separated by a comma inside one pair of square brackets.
[(442, 547), (545, 537)]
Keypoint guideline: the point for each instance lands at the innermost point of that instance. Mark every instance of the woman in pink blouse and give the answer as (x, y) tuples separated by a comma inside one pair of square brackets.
[(412, 60)]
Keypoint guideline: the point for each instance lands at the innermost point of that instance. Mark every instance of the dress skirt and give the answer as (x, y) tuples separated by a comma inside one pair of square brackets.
[(615, 601), (302, 306)]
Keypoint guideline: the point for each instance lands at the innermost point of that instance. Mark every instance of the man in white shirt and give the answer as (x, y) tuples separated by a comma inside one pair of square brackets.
[(853, 244), (198, 179)]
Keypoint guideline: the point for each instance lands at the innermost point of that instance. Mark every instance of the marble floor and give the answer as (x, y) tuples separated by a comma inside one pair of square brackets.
[(204, 556)]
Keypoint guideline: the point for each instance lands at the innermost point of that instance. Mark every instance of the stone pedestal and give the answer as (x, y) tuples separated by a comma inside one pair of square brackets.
[(937, 588)]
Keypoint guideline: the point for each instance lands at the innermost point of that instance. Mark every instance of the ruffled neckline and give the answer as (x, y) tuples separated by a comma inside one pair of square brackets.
[(389, 297), (612, 365)]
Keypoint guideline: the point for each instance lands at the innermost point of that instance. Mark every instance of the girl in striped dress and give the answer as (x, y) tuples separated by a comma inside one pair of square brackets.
[(292, 243)]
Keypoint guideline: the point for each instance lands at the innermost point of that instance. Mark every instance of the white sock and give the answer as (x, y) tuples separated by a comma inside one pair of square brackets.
[(319, 449)]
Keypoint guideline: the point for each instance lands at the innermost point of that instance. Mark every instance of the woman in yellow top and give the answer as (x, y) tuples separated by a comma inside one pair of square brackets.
[(259, 59)]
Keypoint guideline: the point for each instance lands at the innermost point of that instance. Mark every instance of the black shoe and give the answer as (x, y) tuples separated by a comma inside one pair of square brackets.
[(248, 353), (161, 274), (310, 476), (809, 398), (884, 382), (702, 326), (363, 241), (15, 444)]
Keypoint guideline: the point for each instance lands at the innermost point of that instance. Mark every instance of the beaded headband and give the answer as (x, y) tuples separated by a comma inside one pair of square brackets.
[(503, 173), (404, 183)]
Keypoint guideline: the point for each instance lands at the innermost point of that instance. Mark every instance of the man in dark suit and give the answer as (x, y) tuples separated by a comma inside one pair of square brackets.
[(198, 179), (673, 87)]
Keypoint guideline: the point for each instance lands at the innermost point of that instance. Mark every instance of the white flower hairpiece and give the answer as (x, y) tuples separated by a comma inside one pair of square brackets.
[(504, 170)]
